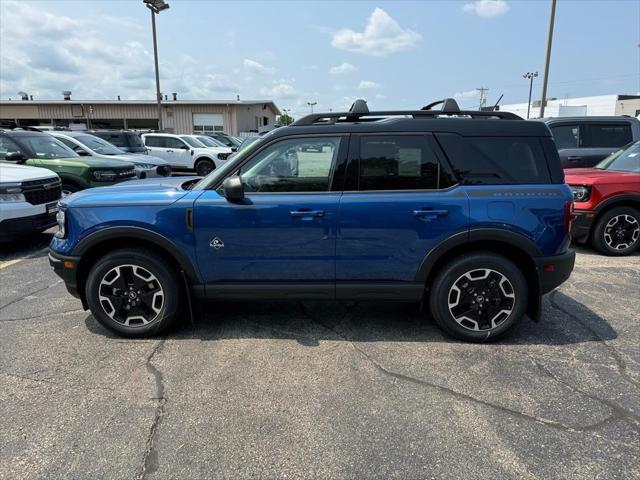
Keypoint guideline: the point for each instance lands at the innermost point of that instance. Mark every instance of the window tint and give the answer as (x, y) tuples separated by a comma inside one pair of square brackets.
[(399, 162), (566, 136), (612, 135), (7, 146), (155, 142), (192, 142), (171, 142), (496, 160), (294, 165)]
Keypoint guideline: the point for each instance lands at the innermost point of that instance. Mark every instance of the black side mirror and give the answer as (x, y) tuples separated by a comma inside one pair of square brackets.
[(17, 157), (233, 189)]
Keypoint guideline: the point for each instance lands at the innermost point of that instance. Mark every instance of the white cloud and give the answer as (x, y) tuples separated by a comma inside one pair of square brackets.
[(256, 67), (487, 8), (342, 68), (466, 94), (369, 85), (381, 37), (380, 96), (280, 90)]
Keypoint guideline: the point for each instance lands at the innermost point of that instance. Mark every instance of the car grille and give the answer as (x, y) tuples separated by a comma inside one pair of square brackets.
[(122, 174), (223, 156), (37, 192), (164, 170)]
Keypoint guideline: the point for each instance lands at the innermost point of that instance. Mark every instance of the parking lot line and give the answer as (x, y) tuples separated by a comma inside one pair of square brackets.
[(8, 263)]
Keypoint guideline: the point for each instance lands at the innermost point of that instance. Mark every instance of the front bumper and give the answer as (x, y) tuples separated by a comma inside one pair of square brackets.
[(17, 227), (553, 271), (156, 172), (66, 267), (581, 226)]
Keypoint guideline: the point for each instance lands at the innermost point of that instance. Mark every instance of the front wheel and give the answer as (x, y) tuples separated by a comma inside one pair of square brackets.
[(68, 189), (477, 297), (617, 232), (133, 292), (204, 167)]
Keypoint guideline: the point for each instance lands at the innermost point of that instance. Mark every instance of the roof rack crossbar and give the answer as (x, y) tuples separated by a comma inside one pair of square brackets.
[(334, 117)]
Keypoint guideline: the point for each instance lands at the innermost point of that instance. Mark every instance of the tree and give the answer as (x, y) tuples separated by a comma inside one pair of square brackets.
[(285, 119)]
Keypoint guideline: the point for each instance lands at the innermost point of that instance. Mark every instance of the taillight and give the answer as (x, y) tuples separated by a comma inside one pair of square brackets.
[(568, 216)]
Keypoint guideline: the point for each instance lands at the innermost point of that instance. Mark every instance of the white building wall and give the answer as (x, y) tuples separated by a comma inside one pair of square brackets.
[(591, 106)]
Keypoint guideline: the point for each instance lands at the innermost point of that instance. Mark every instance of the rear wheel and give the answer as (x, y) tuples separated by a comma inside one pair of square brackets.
[(477, 297), (204, 167), (133, 292), (69, 188), (617, 232)]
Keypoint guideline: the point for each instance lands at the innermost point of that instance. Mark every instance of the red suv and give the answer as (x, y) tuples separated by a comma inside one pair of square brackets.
[(607, 202)]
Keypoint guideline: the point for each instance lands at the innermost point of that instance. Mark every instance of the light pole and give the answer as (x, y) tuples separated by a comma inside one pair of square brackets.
[(311, 104), (156, 6), (545, 78), (530, 76)]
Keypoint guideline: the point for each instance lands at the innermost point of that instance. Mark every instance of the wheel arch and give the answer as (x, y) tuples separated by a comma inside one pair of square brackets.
[(624, 200), (513, 246), (98, 244)]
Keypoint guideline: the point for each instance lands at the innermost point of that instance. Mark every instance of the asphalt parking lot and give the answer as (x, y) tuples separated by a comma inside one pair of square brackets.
[(317, 390)]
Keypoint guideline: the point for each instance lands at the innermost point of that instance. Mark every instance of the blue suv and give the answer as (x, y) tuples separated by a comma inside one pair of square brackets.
[(464, 211)]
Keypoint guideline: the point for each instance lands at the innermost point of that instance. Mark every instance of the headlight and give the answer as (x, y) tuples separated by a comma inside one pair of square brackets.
[(104, 175), (12, 197), (61, 218), (581, 193)]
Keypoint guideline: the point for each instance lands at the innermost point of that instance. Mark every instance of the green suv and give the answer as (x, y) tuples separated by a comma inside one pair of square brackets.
[(77, 173)]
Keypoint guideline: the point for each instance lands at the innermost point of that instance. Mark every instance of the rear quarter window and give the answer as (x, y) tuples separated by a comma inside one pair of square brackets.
[(496, 160)]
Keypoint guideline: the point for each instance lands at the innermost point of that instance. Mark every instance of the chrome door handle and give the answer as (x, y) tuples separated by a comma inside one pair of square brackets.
[(429, 214), (169, 151), (574, 158), (307, 213)]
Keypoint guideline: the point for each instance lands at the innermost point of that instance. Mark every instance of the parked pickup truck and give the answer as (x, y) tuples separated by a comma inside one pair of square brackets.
[(584, 141)]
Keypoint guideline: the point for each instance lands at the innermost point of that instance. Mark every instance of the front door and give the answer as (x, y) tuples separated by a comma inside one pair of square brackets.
[(399, 203), (284, 232)]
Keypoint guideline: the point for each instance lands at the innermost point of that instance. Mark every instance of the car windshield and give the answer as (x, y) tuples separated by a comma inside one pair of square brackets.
[(45, 146), (209, 142), (623, 160), (192, 142), (98, 145)]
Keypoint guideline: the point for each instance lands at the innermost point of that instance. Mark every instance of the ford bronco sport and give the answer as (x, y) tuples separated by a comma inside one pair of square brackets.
[(464, 211)]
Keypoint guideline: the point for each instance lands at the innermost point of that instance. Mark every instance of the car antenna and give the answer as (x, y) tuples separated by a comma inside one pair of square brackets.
[(496, 107)]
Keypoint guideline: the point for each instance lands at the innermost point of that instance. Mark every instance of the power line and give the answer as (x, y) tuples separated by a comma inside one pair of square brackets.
[(483, 96)]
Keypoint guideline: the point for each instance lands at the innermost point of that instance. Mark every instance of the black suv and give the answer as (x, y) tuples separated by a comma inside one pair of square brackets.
[(126, 140)]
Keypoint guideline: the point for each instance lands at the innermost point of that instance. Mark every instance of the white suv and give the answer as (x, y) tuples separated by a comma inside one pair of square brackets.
[(28, 200), (184, 152)]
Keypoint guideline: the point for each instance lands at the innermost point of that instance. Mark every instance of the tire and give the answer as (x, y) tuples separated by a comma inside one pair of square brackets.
[(69, 188), (499, 285), (112, 301), (617, 232), (204, 167)]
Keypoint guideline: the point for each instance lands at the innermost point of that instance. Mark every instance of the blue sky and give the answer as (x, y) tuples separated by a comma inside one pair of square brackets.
[(395, 54)]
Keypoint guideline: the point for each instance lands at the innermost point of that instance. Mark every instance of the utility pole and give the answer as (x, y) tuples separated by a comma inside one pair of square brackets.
[(483, 97), (311, 104), (156, 6), (547, 60), (530, 76)]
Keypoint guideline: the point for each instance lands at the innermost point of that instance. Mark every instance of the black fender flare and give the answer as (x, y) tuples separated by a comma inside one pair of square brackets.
[(621, 198), (138, 233)]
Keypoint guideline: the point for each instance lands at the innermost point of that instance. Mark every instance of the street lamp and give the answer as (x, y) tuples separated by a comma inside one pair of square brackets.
[(530, 76), (156, 6), (311, 104)]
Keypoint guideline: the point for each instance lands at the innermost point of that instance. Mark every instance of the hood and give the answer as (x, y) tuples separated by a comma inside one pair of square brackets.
[(88, 162), (11, 173), (213, 149), (137, 159), (151, 191), (596, 175)]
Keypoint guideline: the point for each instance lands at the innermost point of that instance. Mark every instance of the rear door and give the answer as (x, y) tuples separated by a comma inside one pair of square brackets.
[(157, 146), (400, 201)]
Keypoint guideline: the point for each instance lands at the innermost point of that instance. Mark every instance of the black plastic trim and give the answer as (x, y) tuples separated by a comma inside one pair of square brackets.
[(562, 268), (625, 197), (266, 291), (68, 275), (379, 291)]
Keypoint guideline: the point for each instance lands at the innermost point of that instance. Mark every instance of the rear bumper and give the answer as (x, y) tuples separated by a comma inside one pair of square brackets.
[(66, 267), (17, 227), (553, 271), (581, 226)]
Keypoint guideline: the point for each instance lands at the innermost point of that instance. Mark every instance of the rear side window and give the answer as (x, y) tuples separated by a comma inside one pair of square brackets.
[(608, 135), (567, 136), (399, 162), (155, 142), (496, 160)]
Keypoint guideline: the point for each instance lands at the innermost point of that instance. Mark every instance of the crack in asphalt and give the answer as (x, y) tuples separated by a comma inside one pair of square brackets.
[(16, 300), (150, 455), (64, 312), (463, 396), (617, 356)]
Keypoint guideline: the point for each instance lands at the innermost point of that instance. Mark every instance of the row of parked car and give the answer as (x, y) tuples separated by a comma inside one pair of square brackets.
[(40, 166)]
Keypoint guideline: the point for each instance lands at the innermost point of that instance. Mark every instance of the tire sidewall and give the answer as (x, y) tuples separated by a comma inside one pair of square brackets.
[(165, 275), (202, 161), (438, 300), (598, 241)]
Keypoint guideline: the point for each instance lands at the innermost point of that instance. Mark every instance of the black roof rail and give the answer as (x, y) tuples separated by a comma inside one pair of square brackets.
[(449, 105)]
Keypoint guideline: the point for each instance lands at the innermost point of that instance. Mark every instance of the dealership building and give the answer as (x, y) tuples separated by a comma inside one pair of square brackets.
[(235, 117), (580, 106)]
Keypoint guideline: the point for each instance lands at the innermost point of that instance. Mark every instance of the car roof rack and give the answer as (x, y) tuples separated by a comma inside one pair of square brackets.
[(359, 112)]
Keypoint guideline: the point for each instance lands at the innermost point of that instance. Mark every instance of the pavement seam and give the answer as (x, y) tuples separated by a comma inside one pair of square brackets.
[(617, 356), (65, 312), (29, 294), (463, 396), (149, 457)]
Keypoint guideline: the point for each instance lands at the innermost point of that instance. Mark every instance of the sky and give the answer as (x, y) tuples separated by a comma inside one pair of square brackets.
[(396, 55)]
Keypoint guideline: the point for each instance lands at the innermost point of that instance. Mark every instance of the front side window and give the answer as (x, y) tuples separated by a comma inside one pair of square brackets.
[(566, 136), (98, 145), (192, 142), (399, 162), (45, 146), (496, 160), (175, 143), (604, 136), (7, 146), (623, 160), (293, 165)]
